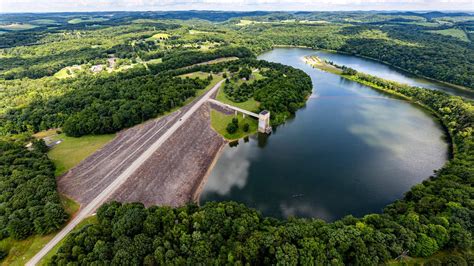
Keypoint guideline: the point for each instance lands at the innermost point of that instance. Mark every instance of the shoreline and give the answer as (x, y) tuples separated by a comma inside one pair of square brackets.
[(452, 149), (452, 85), (200, 187)]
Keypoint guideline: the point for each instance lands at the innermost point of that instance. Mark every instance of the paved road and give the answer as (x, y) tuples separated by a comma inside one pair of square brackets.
[(110, 189)]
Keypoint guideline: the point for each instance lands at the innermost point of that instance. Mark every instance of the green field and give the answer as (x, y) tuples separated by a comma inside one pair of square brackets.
[(219, 122), (453, 32), (160, 36), (82, 20), (17, 26), (155, 61), (249, 105), (199, 74), (44, 22), (71, 151), (193, 32), (62, 74)]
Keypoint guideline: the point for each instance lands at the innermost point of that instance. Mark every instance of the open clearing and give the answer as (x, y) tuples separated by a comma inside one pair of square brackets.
[(160, 36), (453, 32), (82, 20), (199, 74), (71, 151), (249, 105), (17, 26)]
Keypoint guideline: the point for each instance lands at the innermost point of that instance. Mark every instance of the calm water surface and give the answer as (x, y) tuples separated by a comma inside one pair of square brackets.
[(387, 72), (351, 150)]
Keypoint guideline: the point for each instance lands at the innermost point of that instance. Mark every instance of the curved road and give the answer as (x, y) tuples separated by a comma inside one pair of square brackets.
[(110, 189)]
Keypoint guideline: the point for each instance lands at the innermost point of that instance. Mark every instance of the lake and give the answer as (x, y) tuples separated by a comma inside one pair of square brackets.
[(351, 150)]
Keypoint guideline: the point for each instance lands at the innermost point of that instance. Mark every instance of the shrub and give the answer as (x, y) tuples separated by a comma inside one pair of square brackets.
[(246, 127), (231, 128)]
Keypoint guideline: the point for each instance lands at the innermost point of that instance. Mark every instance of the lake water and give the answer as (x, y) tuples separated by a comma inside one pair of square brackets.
[(387, 72), (351, 150)]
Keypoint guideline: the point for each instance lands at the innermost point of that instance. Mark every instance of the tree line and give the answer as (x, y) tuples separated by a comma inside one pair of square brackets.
[(29, 202), (104, 105), (434, 215), (282, 92), (100, 104), (410, 47)]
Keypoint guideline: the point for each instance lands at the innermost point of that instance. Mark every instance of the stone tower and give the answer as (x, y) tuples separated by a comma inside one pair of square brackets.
[(264, 122)]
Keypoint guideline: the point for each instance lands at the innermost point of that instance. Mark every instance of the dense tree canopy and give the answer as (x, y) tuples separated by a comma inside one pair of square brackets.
[(29, 202), (409, 47)]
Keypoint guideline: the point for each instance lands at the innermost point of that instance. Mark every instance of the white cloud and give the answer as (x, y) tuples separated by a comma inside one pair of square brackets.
[(233, 5)]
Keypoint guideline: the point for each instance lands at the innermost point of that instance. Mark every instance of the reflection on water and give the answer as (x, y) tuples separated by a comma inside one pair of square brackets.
[(387, 72), (350, 150), (232, 171)]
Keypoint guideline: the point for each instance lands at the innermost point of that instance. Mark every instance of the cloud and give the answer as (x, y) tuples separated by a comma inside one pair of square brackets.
[(242, 5)]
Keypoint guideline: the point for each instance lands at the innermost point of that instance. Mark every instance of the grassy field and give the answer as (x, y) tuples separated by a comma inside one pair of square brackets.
[(160, 36), (246, 22), (71, 151), (20, 251), (44, 22), (199, 74), (46, 259), (219, 60), (219, 122), (249, 105), (17, 26), (154, 61), (456, 33), (193, 32), (316, 62), (81, 20), (62, 74)]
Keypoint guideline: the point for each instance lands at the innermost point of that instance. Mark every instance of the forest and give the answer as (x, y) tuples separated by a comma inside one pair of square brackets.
[(106, 104), (282, 92), (46, 82), (408, 47), (29, 202), (434, 215)]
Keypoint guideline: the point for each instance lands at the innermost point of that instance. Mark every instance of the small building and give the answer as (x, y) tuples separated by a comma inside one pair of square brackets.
[(264, 122)]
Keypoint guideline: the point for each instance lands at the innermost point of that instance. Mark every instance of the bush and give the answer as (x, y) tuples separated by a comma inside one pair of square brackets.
[(246, 127), (433, 262), (40, 145), (231, 128), (454, 260), (235, 121), (3, 254)]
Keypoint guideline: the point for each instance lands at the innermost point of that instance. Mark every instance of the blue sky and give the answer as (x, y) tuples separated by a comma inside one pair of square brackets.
[(233, 5)]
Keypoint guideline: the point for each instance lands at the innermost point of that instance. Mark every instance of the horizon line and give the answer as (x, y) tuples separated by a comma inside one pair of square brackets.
[(470, 12)]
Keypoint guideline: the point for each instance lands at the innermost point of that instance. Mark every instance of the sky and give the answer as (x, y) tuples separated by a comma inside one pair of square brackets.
[(231, 5)]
